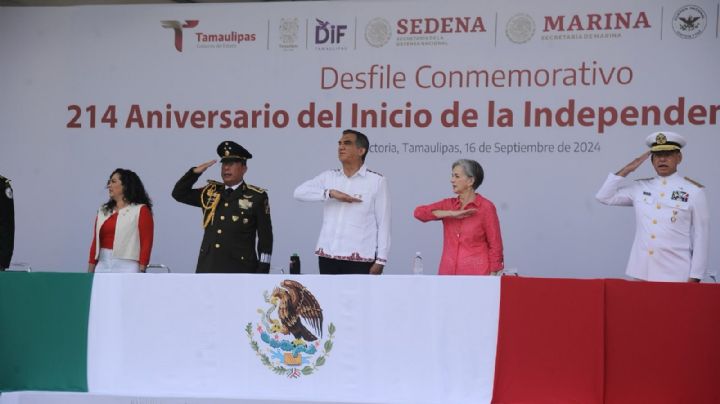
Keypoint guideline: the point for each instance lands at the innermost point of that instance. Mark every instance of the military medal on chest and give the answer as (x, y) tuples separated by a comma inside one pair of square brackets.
[(244, 204)]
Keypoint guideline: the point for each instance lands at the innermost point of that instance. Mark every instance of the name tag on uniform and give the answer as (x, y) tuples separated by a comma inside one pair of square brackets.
[(646, 193)]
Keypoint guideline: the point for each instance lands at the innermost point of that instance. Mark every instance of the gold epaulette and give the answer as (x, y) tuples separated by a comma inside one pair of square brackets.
[(256, 189), (216, 183), (692, 181)]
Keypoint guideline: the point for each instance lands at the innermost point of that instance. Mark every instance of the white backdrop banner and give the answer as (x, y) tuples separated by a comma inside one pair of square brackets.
[(549, 97)]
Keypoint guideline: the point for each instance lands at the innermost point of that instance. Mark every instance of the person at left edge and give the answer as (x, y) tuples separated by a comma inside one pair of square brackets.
[(235, 214), (7, 223), (123, 235)]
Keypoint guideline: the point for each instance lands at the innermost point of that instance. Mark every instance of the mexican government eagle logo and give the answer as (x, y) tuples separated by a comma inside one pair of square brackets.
[(290, 332)]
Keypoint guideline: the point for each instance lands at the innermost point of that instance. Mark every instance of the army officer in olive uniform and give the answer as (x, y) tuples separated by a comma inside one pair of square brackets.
[(7, 223), (235, 213)]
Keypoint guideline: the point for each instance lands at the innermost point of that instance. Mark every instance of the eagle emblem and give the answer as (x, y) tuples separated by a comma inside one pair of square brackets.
[(689, 23), (290, 331)]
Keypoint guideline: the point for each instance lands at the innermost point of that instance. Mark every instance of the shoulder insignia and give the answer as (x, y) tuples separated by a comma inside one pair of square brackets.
[(212, 186), (692, 181), (374, 172), (256, 189)]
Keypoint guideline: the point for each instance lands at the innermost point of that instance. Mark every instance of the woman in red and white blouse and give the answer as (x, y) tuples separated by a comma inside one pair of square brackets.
[(123, 234), (472, 241)]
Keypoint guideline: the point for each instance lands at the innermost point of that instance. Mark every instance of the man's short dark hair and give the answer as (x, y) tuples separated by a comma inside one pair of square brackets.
[(360, 141)]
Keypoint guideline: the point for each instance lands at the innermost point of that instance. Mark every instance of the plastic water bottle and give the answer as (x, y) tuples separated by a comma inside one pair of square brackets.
[(417, 268), (295, 264)]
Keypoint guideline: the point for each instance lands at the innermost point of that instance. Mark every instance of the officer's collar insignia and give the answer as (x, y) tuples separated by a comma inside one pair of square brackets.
[(244, 204), (660, 139)]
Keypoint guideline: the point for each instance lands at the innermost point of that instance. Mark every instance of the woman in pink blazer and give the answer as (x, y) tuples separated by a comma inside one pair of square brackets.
[(472, 242)]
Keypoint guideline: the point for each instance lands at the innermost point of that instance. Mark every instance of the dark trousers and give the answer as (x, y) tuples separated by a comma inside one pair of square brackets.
[(339, 267)]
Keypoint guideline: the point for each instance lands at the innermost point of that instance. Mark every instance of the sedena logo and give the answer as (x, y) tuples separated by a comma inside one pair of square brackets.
[(177, 27)]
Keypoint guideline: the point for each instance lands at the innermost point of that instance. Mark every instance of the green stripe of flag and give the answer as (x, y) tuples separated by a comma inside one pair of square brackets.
[(43, 331)]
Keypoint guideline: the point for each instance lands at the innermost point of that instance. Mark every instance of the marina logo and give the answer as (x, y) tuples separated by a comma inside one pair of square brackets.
[(597, 22), (378, 32), (177, 27), (689, 22), (593, 25), (520, 28)]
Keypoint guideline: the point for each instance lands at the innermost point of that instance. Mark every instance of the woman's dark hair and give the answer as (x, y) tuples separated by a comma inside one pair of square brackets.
[(133, 190)]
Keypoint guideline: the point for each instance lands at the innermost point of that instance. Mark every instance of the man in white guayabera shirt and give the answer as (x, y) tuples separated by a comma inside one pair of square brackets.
[(671, 214), (355, 233)]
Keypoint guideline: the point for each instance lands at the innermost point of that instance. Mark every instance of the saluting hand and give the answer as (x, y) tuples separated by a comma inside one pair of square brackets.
[(633, 165), (342, 196), (204, 166)]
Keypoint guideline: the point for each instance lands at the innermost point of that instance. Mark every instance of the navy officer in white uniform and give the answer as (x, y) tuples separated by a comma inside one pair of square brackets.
[(671, 214)]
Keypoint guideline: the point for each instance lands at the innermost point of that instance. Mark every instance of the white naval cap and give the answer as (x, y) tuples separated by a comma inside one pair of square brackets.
[(665, 141)]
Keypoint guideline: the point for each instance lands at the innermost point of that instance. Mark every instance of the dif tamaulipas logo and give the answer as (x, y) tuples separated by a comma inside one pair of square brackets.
[(288, 337), (207, 40), (606, 25), (330, 36), (436, 31)]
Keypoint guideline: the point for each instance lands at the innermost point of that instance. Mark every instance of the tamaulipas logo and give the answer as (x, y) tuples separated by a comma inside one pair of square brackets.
[(288, 338), (178, 26)]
